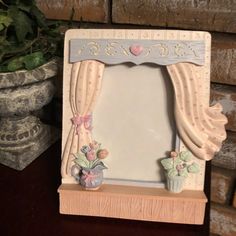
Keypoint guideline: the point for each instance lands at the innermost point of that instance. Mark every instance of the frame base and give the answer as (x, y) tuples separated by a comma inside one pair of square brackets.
[(137, 203)]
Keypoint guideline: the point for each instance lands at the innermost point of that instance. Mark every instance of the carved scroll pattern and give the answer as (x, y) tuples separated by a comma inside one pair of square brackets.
[(85, 87), (162, 52), (200, 127)]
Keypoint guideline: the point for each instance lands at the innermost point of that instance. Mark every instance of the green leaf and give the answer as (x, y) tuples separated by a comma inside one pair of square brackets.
[(185, 156), (95, 162), (80, 156), (183, 172), (99, 166), (193, 168), (33, 60), (24, 7), (2, 53), (15, 64), (22, 23), (3, 68), (26, 2), (172, 173), (1, 27), (5, 20), (40, 18), (80, 159), (177, 161), (167, 163), (81, 163), (15, 49), (3, 41)]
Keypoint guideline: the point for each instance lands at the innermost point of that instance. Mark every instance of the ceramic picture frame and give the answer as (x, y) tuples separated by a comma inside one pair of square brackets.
[(144, 94)]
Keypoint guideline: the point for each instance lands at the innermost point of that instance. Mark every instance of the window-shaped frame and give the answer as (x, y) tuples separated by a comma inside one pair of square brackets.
[(186, 56)]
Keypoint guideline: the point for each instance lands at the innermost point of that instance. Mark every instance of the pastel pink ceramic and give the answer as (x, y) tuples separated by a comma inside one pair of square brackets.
[(136, 50)]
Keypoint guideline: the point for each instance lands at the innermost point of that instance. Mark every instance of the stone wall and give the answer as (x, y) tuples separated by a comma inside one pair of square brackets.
[(89, 10), (218, 17), (223, 90)]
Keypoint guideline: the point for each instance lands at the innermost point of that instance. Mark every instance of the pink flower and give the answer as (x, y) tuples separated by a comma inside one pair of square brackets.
[(94, 145), (173, 154), (90, 155), (179, 167), (102, 154)]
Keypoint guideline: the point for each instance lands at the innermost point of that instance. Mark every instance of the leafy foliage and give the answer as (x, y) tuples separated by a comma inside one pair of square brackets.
[(81, 160), (21, 22), (167, 163), (90, 157), (185, 156), (183, 172), (194, 168), (172, 173), (27, 40), (177, 165), (29, 61)]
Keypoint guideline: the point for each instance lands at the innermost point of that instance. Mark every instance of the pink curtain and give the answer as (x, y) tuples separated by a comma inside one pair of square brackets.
[(85, 87), (200, 127)]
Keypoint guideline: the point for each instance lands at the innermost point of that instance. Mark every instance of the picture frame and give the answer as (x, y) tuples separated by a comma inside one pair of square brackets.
[(185, 57)]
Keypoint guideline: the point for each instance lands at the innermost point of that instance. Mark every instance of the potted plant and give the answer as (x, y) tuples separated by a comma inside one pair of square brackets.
[(27, 40), (88, 167), (28, 46), (177, 168)]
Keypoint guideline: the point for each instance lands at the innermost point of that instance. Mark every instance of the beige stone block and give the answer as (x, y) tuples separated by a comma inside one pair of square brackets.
[(89, 10), (222, 220), (223, 58), (226, 158), (221, 185), (226, 96), (234, 199), (217, 15)]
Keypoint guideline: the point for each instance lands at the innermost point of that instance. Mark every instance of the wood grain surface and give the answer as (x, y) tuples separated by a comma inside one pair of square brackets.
[(138, 203)]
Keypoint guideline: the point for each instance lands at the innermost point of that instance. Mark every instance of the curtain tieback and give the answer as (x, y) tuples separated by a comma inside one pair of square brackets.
[(85, 120)]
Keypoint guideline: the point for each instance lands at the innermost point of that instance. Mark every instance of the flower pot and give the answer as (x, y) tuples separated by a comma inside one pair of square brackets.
[(175, 184), (23, 137), (89, 179)]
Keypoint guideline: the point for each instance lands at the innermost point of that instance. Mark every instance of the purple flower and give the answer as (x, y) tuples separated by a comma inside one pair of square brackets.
[(85, 149)]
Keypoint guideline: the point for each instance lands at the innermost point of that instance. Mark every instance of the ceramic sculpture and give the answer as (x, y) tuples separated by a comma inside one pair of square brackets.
[(199, 135)]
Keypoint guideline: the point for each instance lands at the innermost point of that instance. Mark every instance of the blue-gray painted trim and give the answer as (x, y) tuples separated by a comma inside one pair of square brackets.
[(116, 51)]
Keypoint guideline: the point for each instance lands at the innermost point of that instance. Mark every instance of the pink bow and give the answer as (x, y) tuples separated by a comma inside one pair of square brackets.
[(79, 120), (88, 177)]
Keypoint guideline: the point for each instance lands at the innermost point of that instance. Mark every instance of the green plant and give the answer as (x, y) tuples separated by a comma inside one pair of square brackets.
[(91, 156), (177, 164), (27, 39)]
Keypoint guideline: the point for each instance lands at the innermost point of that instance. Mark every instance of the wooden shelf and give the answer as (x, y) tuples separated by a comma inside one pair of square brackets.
[(137, 203)]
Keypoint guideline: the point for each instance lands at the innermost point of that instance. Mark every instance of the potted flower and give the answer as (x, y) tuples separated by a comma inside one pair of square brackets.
[(88, 167), (28, 46), (177, 168)]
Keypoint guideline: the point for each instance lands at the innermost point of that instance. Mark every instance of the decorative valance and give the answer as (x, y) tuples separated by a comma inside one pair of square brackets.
[(161, 52)]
